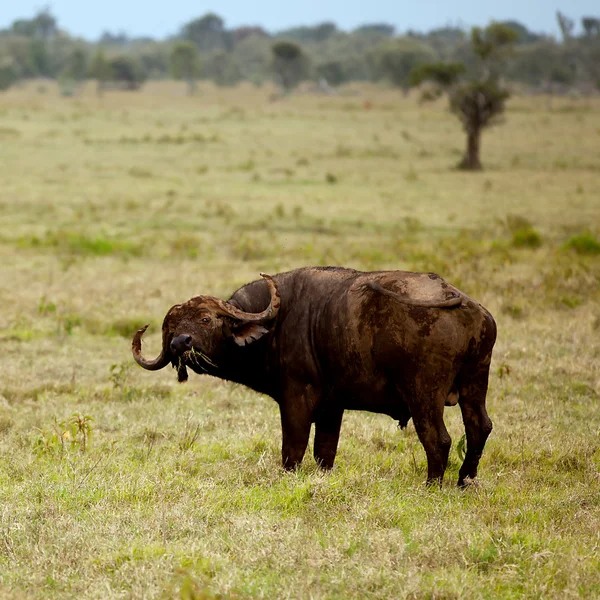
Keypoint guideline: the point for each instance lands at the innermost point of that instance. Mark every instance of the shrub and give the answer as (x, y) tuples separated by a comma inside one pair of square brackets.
[(8, 75), (585, 243)]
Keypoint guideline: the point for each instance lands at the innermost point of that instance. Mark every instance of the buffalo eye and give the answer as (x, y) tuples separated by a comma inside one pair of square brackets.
[(205, 320)]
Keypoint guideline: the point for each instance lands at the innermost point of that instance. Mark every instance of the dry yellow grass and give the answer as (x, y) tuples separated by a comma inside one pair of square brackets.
[(112, 209)]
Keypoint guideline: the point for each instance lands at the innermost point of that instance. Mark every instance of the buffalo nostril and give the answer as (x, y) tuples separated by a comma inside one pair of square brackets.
[(181, 343)]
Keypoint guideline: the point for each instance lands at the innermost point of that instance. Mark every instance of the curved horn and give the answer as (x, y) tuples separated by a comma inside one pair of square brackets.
[(269, 313), (151, 365)]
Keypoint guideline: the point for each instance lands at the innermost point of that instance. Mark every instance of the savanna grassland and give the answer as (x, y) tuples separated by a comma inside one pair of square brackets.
[(115, 482)]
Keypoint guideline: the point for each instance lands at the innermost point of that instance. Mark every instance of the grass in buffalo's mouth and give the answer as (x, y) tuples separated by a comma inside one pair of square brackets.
[(195, 356)]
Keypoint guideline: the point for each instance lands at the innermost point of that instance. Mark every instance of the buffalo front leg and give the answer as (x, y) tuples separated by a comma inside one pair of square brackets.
[(327, 433), (295, 426)]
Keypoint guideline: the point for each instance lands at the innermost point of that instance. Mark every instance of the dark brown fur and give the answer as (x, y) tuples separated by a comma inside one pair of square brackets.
[(392, 342)]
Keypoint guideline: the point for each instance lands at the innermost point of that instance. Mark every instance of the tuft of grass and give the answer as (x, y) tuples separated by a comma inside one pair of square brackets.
[(279, 211), (411, 175), (46, 307), (68, 323), (569, 301)]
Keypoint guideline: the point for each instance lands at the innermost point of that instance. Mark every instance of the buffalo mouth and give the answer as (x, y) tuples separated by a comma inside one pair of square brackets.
[(193, 358), (182, 374)]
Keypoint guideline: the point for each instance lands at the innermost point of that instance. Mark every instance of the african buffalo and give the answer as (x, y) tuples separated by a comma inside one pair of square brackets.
[(325, 339)]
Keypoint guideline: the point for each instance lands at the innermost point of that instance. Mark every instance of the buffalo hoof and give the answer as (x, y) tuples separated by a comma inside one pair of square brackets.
[(325, 466), (402, 423), (467, 482), (434, 482)]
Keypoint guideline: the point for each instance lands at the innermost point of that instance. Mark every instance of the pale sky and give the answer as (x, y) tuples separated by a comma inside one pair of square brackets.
[(160, 18)]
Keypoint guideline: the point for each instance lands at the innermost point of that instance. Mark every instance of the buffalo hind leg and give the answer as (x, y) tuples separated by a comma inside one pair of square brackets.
[(478, 425), (327, 434), (427, 411)]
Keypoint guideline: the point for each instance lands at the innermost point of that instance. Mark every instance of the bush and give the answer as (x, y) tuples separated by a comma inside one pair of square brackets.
[(527, 238), (8, 76), (585, 243), (289, 64), (126, 72)]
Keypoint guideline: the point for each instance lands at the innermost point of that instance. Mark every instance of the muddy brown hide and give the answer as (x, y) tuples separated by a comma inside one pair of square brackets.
[(393, 342)]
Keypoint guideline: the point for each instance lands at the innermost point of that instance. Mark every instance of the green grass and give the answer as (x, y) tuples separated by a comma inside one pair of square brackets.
[(114, 209)]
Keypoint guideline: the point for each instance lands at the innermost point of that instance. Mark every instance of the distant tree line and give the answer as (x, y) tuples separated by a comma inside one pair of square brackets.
[(206, 49)]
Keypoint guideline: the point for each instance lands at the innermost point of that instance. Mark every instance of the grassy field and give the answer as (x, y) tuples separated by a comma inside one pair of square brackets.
[(115, 482)]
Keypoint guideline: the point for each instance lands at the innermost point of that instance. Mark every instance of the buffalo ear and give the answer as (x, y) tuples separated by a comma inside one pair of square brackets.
[(248, 333)]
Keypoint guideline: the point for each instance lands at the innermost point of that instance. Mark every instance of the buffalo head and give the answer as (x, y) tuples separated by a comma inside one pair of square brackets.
[(199, 331)]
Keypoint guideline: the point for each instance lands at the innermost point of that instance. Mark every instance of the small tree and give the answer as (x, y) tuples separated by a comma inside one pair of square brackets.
[(332, 72), (7, 74), (38, 58), (185, 64), (289, 64), (223, 69), (478, 104), (207, 32), (43, 26), (100, 70), (591, 26), (126, 72), (565, 25), (73, 73)]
